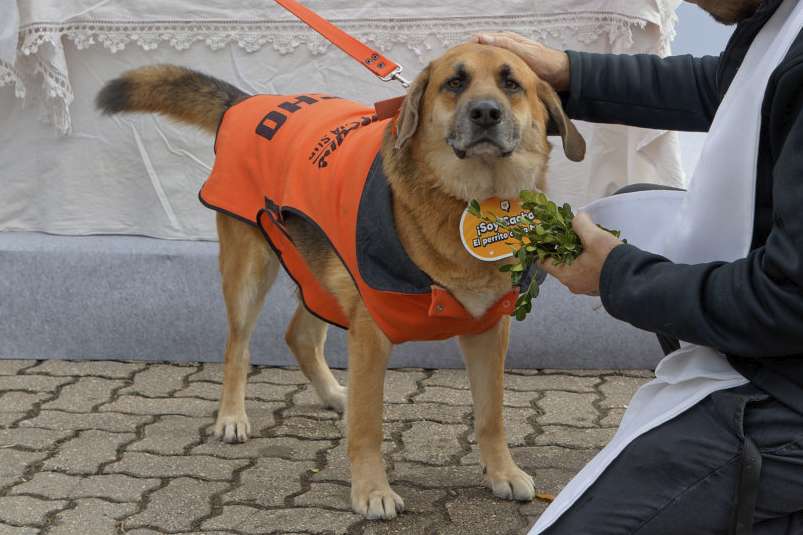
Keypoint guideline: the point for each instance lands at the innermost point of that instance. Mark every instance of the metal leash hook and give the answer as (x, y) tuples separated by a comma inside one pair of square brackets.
[(396, 75)]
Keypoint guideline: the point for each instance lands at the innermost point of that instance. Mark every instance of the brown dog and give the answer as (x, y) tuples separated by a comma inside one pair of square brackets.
[(473, 126)]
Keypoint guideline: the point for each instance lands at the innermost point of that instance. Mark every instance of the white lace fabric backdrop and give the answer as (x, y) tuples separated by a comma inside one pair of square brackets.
[(67, 170)]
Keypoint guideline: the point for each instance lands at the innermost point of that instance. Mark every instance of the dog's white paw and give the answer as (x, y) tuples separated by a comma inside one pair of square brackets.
[(511, 483), (381, 504), (334, 398), (232, 429)]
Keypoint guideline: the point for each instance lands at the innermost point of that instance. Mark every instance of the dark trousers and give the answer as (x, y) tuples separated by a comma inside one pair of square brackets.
[(682, 478), (689, 476)]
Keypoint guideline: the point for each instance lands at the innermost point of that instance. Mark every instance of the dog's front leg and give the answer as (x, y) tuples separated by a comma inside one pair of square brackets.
[(485, 359), (369, 350)]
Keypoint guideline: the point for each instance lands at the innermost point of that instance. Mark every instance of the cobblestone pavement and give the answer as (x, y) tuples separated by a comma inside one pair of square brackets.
[(89, 448)]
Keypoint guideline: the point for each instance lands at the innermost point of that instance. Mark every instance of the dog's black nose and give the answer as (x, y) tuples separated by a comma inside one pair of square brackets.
[(485, 113)]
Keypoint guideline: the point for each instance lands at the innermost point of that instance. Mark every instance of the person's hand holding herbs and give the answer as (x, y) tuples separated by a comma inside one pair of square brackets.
[(582, 275)]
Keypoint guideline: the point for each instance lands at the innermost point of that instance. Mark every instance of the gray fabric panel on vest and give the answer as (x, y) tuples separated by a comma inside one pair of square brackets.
[(125, 297)]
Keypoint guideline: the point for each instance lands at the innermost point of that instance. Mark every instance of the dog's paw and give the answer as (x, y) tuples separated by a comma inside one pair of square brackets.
[(334, 399), (381, 504), (232, 429), (511, 483)]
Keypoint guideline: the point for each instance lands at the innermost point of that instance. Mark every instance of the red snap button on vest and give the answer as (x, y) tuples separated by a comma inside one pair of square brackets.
[(506, 303), (439, 308)]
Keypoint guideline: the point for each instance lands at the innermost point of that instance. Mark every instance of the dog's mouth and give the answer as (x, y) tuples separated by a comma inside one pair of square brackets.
[(484, 147)]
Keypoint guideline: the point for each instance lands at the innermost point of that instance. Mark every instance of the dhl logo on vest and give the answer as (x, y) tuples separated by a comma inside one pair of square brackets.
[(328, 143)]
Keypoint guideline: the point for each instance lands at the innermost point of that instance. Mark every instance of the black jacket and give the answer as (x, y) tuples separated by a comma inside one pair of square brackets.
[(751, 309)]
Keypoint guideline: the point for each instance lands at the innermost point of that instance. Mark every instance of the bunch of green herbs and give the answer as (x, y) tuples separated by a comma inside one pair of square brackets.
[(549, 236)]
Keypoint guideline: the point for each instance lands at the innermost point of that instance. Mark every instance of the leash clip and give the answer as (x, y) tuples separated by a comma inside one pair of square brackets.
[(396, 75)]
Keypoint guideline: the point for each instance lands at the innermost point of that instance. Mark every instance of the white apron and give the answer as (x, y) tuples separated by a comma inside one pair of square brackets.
[(713, 221)]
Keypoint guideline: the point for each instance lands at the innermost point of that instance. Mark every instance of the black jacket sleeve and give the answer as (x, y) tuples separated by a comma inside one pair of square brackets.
[(674, 93), (752, 307)]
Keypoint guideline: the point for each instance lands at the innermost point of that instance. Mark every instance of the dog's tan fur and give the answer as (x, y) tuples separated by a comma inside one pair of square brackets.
[(430, 188)]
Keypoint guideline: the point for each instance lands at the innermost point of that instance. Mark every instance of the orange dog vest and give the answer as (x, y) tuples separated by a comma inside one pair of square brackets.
[(317, 157)]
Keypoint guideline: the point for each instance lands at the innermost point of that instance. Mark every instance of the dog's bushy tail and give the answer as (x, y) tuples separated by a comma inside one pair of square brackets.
[(177, 92)]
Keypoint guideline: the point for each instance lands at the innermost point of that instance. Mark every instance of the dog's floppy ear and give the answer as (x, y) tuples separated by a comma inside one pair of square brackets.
[(574, 146), (407, 123)]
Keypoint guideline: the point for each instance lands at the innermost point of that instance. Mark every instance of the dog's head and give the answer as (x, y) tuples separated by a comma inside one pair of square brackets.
[(477, 118)]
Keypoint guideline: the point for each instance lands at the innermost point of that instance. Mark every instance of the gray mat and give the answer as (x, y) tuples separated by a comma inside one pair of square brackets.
[(134, 298)]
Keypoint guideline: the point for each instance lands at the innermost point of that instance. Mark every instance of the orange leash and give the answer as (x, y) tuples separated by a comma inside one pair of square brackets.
[(384, 68)]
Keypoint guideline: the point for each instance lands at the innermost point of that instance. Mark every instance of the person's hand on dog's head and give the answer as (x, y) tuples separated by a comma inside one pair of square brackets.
[(549, 64)]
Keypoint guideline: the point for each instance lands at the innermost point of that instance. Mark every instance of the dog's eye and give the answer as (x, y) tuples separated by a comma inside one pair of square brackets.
[(512, 85), (456, 84)]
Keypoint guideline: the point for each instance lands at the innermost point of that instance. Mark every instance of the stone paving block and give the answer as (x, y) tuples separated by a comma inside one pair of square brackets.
[(84, 394), (618, 391), (435, 412), (283, 447), (14, 366), (201, 466), (172, 434), (533, 509), (258, 391), (298, 520), (316, 411), (407, 524), (117, 487), (567, 383), (613, 418), (552, 480), (66, 420), (533, 458), (478, 511), (337, 467), (85, 453), (159, 406), (401, 385), (83, 368), (568, 408), (6, 529), (27, 510), (448, 396), (8, 418), (279, 376), (269, 481), (14, 463), (308, 429), (177, 506), (449, 378), (328, 495), (446, 477), (306, 397), (17, 402), (92, 516), (432, 443), (210, 372), (159, 380), (571, 437), (35, 439), (32, 383)]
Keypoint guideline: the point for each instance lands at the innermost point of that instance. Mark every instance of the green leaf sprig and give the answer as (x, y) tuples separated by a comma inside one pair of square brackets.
[(549, 236)]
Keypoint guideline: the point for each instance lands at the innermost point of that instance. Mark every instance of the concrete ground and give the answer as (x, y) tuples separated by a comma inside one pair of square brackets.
[(109, 447)]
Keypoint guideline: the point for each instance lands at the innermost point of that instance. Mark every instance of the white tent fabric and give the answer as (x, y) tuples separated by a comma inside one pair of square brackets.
[(66, 170)]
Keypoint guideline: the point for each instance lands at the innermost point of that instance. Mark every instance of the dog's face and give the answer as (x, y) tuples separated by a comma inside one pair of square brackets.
[(477, 118)]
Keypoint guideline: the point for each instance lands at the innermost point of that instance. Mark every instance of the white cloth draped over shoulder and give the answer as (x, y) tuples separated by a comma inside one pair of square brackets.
[(79, 173), (713, 221)]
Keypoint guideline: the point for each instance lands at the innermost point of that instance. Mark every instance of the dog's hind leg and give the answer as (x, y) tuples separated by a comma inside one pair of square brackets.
[(306, 336), (248, 268)]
